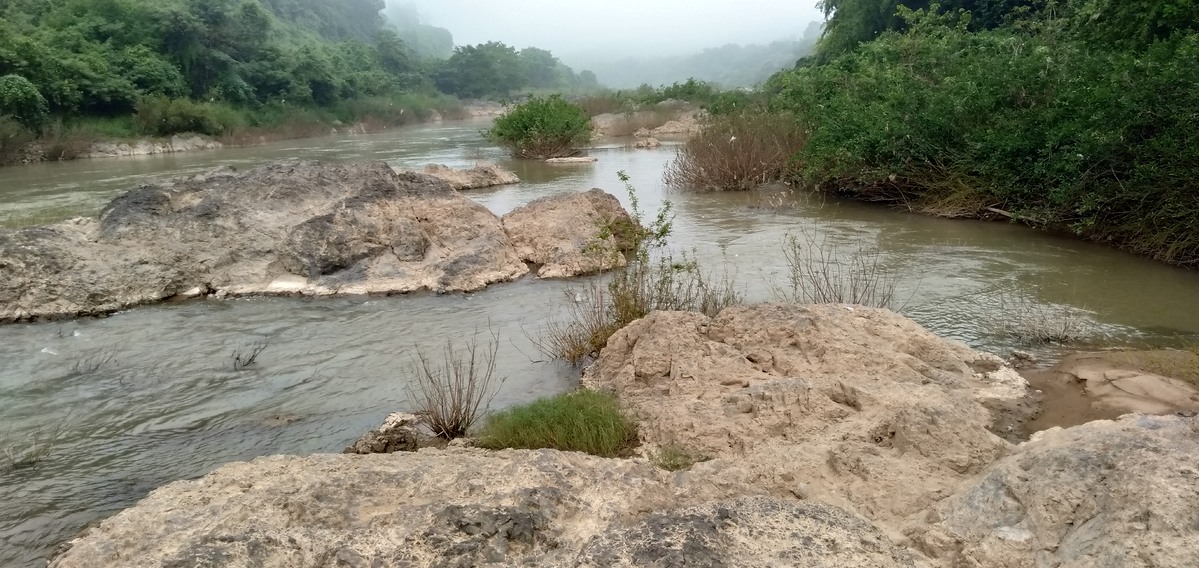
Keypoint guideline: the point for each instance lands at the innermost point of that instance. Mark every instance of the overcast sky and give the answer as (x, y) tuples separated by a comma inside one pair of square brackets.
[(619, 27)]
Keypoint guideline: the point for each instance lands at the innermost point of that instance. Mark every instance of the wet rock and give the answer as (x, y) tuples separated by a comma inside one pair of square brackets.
[(647, 143), (400, 432), (285, 228), (480, 176), (571, 234), (642, 133), (572, 160), (1022, 359), (1106, 493)]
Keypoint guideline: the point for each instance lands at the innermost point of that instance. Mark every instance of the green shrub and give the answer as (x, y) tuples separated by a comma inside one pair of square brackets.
[(1048, 129), (161, 116), (542, 128), (21, 101), (581, 421)]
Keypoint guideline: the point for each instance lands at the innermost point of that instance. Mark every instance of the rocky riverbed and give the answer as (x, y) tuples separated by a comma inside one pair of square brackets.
[(298, 227), (835, 436)]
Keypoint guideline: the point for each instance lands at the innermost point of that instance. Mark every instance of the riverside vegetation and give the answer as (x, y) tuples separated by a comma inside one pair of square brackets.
[(78, 71), (1064, 115)]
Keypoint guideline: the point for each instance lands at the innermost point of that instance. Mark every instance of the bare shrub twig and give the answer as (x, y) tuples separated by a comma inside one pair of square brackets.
[(452, 394)]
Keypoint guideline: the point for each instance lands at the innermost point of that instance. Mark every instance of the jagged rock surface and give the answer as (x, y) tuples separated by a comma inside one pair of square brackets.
[(465, 507), (477, 177), (284, 228), (548, 232), (1106, 493)]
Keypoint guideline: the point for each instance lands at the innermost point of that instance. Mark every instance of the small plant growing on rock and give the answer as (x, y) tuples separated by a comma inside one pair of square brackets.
[(675, 458), (581, 421), (453, 394), (541, 128)]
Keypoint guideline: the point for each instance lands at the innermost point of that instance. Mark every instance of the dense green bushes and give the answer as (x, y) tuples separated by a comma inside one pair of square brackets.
[(581, 421), (1051, 128), (540, 128), (21, 102)]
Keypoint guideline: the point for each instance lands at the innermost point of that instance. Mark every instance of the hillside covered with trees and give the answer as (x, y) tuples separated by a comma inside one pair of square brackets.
[(124, 67)]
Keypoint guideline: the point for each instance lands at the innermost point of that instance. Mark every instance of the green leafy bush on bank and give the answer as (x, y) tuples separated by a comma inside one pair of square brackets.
[(540, 128), (1048, 128)]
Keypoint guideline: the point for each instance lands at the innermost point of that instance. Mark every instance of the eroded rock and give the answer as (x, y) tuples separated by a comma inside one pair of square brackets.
[(400, 432), (1106, 493), (466, 507), (477, 177), (284, 228), (860, 405), (571, 234)]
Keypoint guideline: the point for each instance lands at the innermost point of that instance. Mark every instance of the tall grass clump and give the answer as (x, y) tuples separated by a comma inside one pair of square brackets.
[(823, 271), (541, 128), (451, 394), (581, 421), (740, 150), (646, 284)]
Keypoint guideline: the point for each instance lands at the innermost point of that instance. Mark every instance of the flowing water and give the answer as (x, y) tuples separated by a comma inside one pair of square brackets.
[(130, 402)]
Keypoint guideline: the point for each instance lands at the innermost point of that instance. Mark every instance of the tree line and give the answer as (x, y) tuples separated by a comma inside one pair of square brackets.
[(66, 59)]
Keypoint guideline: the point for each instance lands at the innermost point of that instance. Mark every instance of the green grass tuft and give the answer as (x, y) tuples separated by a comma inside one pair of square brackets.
[(580, 421)]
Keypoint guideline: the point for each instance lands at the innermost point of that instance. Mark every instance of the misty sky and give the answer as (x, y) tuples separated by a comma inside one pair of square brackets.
[(578, 30)]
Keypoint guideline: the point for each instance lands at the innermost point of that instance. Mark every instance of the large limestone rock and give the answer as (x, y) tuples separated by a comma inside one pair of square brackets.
[(285, 228), (477, 177), (465, 507), (845, 404), (549, 233), (1107, 493)]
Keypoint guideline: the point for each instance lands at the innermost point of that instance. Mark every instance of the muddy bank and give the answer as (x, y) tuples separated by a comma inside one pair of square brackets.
[(1083, 387), (290, 228)]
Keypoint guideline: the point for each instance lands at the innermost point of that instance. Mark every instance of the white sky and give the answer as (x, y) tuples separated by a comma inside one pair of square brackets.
[(621, 28)]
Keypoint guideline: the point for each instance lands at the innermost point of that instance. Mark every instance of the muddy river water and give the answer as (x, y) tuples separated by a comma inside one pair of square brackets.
[(136, 400)]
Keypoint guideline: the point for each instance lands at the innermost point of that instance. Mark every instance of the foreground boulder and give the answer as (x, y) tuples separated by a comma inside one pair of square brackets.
[(477, 177), (465, 507), (285, 228), (1106, 493), (546, 232), (840, 403)]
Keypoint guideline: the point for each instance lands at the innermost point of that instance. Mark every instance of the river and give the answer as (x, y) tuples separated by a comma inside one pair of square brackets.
[(148, 396)]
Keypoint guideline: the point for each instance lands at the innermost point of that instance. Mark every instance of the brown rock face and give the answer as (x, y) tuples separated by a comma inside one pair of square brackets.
[(479, 176), (285, 228), (571, 234)]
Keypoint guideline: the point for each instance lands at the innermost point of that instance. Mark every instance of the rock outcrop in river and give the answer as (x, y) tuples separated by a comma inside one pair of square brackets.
[(837, 436), (284, 228), (479, 176)]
